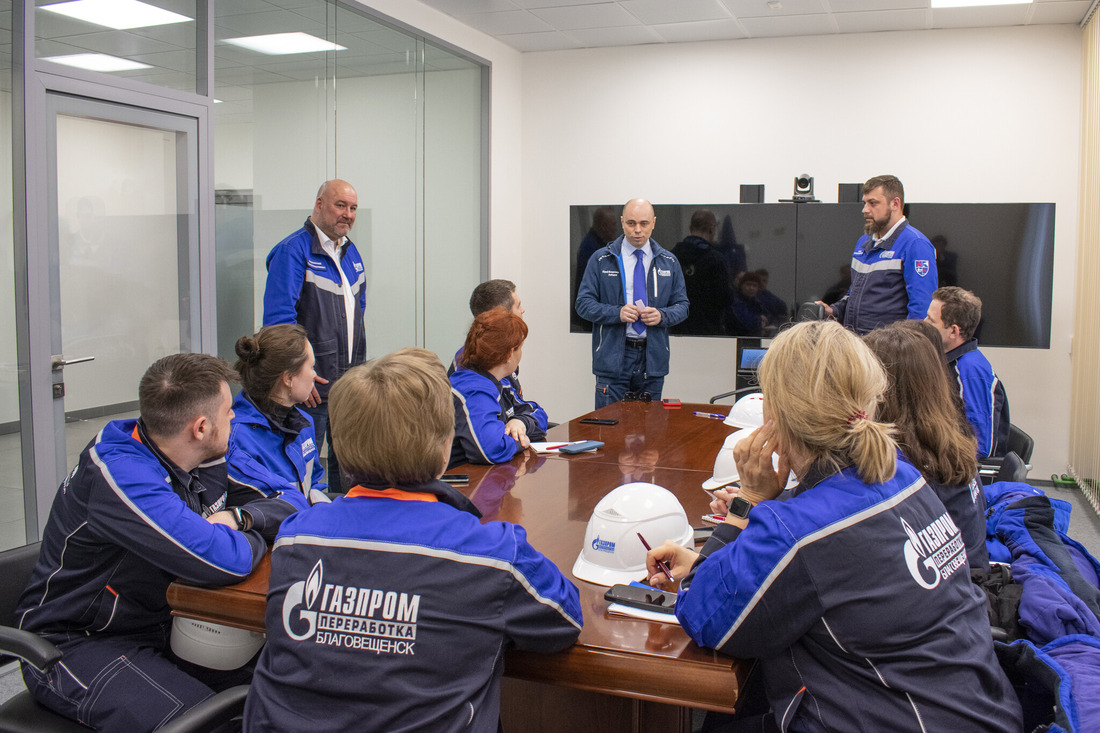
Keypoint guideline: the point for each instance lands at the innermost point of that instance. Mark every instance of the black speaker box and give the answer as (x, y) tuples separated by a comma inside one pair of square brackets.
[(752, 193)]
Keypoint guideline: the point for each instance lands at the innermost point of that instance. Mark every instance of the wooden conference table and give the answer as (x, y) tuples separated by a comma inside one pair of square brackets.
[(623, 674)]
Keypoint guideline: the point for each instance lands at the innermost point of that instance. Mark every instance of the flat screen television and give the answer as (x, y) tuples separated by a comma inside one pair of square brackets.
[(778, 256)]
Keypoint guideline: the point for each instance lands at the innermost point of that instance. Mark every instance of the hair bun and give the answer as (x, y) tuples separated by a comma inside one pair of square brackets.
[(248, 349)]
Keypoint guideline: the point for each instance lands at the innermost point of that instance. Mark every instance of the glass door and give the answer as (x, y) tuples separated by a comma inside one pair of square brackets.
[(123, 261)]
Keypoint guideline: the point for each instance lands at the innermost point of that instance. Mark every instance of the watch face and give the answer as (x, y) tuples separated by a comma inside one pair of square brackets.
[(738, 507)]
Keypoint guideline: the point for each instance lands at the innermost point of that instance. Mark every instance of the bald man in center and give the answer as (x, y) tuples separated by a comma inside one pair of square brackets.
[(633, 291), (315, 277)]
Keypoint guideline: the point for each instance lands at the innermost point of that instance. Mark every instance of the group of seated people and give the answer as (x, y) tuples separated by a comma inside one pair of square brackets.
[(852, 589)]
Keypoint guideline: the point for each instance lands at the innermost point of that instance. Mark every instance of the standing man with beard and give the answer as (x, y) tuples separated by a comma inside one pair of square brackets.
[(147, 503), (316, 278), (893, 266)]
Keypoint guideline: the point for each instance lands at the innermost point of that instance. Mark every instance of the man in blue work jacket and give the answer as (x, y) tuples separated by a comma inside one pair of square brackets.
[(633, 291), (315, 277), (893, 265)]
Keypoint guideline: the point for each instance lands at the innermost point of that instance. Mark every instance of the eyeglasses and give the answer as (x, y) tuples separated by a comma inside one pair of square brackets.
[(637, 397)]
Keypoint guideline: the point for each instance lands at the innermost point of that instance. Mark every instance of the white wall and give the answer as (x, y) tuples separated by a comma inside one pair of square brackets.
[(976, 115)]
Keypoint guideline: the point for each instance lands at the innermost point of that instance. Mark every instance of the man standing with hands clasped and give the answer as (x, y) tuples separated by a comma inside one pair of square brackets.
[(632, 295), (315, 277)]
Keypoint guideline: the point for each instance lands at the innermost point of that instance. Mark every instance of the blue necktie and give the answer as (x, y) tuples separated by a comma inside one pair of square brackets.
[(639, 287)]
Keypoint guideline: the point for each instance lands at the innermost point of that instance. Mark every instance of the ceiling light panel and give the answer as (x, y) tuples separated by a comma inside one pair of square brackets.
[(117, 14), (281, 44), (97, 62)]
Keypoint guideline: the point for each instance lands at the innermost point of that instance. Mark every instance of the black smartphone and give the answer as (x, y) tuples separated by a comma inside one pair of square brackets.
[(650, 599), (597, 421), (583, 446), (456, 478)]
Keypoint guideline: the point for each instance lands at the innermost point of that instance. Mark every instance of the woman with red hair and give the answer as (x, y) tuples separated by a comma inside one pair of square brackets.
[(492, 421)]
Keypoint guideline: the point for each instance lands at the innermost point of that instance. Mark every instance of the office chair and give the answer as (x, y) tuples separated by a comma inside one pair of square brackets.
[(743, 390), (21, 714), (1019, 443), (1012, 468)]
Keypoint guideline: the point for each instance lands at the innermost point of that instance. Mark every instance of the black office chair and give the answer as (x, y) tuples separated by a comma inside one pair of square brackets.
[(21, 714), (743, 390), (1012, 468), (1019, 443)]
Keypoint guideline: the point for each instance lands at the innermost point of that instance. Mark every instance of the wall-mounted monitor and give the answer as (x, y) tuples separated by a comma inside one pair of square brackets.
[(767, 259)]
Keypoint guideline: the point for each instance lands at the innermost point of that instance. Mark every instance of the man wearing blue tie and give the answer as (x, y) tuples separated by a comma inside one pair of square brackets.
[(632, 295)]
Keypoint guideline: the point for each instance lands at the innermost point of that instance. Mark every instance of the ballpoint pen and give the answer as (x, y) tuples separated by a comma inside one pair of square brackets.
[(715, 415), (660, 563)]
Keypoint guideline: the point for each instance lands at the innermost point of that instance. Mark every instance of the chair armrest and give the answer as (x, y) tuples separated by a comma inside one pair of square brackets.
[(211, 713), (29, 647), (742, 390)]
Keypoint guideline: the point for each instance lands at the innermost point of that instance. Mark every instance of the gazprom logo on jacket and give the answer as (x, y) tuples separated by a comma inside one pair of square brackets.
[(311, 264), (603, 545), (358, 266), (935, 552), (308, 448), (350, 617), (664, 273), (921, 266)]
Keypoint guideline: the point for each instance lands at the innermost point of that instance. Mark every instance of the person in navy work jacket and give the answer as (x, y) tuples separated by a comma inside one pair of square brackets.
[(893, 266), (492, 421), (315, 277), (955, 313), (632, 295), (147, 503), (272, 447), (854, 594), (391, 608)]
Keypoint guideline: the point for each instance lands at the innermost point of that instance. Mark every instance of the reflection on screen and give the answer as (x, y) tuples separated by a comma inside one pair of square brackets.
[(767, 259)]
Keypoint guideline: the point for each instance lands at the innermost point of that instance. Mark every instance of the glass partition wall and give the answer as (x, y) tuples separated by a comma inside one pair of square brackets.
[(219, 120), (399, 118)]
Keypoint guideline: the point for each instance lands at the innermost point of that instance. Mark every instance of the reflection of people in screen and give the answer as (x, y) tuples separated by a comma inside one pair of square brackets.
[(605, 227), (706, 277), (748, 315), (775, 308), (837, 290), (947, 263), (734, 252)]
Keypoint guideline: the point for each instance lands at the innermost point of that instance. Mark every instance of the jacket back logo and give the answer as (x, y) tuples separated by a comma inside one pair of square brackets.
[(935, 552), (368, 619)]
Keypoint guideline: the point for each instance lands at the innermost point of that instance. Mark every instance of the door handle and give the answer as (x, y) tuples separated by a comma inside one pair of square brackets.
[(59, 362)]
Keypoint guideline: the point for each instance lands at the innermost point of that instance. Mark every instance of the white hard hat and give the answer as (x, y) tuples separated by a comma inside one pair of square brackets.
[(747, 412), (725, 468), (612, 552), (214, 646)]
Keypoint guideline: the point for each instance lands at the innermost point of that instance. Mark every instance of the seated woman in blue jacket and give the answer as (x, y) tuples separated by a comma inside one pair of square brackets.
[(931, 430), (492, 422), (854, 593), (272, 446)]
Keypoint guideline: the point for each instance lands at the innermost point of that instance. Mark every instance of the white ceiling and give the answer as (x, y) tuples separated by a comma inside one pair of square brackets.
[(551, 25)]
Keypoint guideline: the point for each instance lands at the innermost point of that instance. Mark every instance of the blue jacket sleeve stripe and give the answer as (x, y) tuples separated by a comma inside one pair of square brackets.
[(321, 282), (238, 557), (558, 604), (785, 560)]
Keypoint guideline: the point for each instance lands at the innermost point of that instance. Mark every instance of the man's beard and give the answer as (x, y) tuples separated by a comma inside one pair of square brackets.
[(875, 227)]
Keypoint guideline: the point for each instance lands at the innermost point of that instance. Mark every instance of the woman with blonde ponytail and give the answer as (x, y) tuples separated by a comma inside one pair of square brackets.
[(854, 593)]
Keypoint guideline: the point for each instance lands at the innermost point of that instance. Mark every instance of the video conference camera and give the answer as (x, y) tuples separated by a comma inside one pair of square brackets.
[(803, 190)]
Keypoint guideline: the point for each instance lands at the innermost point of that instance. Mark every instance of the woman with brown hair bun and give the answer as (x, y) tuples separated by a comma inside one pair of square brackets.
[(854, 593), (931, 431), (492, 422), (272, 447)]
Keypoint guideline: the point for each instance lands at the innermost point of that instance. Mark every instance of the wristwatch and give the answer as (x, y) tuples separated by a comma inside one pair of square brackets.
[(739, 507), (244, 519)]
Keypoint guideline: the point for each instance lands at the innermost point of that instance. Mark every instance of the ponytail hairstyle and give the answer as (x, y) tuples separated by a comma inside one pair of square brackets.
[(266, 356), (822, 386), (931, 431)]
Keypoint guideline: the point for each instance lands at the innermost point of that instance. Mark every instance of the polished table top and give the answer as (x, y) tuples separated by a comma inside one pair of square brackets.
[(553, 496)]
